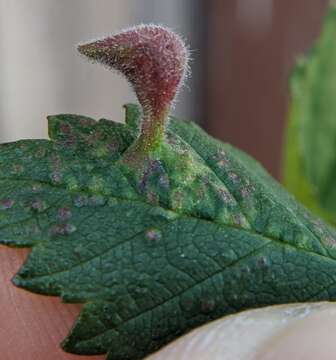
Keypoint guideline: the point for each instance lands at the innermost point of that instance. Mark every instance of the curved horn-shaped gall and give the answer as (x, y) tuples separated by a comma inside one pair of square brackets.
[(154, 60)]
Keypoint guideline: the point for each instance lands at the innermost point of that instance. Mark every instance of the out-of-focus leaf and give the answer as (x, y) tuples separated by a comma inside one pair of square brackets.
[(310, 149)]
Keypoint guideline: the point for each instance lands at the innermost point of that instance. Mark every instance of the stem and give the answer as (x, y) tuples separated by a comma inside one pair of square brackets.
[(152, 131), (150, 139)]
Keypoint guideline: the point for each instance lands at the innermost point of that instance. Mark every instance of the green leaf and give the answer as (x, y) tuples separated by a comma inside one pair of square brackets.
[(195, 231), (310, 157)]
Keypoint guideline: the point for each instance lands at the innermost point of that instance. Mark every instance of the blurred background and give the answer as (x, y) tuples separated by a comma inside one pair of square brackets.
[(242, 52)]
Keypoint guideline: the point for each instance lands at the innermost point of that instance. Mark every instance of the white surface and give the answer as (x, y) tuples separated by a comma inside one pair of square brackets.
[(254, 335)]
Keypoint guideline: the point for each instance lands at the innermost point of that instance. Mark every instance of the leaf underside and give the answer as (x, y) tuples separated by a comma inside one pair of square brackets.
[(196, 232), (310, 156)]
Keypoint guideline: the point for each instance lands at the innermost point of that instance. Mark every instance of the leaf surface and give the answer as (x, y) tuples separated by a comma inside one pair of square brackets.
[(196, 231)]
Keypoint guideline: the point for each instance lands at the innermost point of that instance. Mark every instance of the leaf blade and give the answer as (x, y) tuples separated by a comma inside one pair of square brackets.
[(149, 269)]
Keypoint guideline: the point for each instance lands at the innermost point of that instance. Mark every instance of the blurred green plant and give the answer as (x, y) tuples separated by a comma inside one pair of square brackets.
[(310, 146)]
